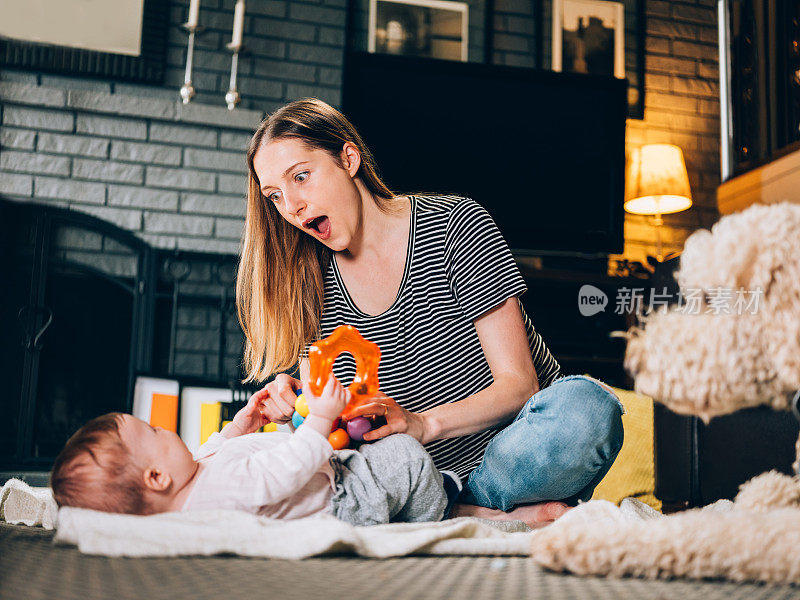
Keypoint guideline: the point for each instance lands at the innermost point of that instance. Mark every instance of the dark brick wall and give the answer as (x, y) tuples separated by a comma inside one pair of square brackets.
[(292, 49), (173, 174), (681, 108), (125, 152)]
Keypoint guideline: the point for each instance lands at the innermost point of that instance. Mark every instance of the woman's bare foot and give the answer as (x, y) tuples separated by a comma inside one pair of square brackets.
[(533, 515)]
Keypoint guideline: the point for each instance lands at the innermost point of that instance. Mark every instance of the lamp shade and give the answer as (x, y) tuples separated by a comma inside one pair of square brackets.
[(656, 181)]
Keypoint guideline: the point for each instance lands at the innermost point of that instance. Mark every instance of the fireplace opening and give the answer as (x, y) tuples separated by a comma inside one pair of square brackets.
[(74, 323), (83, 362), (88, 308)]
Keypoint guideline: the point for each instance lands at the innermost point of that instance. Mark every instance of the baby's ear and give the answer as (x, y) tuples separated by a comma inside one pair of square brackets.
[(156, 479)]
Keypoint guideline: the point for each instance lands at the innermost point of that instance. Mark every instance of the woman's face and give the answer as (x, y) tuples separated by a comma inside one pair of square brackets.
[(310, 190)]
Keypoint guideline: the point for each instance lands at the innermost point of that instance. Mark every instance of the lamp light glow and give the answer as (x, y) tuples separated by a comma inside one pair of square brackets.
[(656, 183)]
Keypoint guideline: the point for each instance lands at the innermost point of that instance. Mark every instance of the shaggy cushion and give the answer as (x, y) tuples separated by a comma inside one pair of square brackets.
[(633, 474), (737, 544), (735, 341)]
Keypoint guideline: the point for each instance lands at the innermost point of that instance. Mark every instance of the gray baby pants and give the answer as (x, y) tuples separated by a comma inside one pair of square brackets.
[(392, 479)]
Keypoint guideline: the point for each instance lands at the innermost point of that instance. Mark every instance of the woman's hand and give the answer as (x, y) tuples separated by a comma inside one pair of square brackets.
[(398, 419), (279, 397), (250, 418)]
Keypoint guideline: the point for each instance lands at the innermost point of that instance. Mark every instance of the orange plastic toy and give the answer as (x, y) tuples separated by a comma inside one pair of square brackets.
[(322, 355), (339, 439)]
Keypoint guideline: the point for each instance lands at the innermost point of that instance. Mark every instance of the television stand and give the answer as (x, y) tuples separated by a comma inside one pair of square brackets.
[(582, 342), (571, 263)]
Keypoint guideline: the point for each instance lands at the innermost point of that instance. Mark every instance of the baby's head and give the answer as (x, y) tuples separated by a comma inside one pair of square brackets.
[(118, 463)]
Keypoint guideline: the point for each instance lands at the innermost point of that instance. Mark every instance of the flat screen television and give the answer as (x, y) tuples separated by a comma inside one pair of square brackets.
[(543, 152)]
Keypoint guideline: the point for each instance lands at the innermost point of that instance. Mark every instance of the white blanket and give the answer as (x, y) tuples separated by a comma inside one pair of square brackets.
[(226, 531), (236, 532)]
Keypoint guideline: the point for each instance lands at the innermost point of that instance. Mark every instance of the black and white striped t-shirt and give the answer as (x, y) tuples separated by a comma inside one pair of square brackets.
[(458, 267)]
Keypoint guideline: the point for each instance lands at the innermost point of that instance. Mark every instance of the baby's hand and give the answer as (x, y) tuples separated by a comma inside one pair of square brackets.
[(250, 418), (331, 402)]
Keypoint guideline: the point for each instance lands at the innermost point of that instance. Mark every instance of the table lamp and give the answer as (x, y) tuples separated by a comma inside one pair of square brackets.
[(656, 183)]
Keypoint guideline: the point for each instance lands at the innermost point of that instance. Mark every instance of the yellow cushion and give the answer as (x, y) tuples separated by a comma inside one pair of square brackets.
[(633, 473)]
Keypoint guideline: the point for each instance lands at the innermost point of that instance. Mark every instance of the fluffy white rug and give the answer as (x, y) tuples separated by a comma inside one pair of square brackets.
[(26, 505), (721, 540)]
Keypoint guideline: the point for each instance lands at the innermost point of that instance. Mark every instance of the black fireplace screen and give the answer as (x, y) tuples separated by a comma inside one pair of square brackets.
[(88, 307)]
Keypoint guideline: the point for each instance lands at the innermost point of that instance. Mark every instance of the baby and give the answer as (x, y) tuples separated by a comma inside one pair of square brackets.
[(118, 463)]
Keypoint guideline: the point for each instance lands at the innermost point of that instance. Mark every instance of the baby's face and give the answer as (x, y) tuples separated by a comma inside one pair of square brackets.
[(156, 447)]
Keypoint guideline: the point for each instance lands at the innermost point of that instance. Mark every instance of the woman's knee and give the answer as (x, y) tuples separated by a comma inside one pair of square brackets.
[(593, 412), (570, 431), (573, 413), (571, 422)]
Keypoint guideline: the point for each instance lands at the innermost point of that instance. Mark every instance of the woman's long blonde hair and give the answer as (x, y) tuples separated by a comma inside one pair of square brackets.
[(279, 287)]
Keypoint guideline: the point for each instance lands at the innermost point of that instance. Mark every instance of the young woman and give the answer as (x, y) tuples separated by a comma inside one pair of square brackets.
[(430, 279)]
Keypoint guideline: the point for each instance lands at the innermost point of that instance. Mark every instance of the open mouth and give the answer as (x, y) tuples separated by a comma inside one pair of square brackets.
[(321, 225)]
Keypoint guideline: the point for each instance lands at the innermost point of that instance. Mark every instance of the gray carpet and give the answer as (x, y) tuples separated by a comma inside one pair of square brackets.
[(32, 568)]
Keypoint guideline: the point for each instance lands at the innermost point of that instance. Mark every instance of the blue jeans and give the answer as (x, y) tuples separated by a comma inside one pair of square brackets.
[(559, 447)]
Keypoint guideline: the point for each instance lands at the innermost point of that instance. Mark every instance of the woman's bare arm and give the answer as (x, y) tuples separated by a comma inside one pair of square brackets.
[(505, 344)]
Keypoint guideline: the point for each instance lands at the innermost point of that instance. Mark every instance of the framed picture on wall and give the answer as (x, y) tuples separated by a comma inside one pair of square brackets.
[(589, 37), (426, 28), (123, 39)]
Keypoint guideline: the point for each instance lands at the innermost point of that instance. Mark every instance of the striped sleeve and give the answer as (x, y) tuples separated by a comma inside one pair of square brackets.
[(479, 266)]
